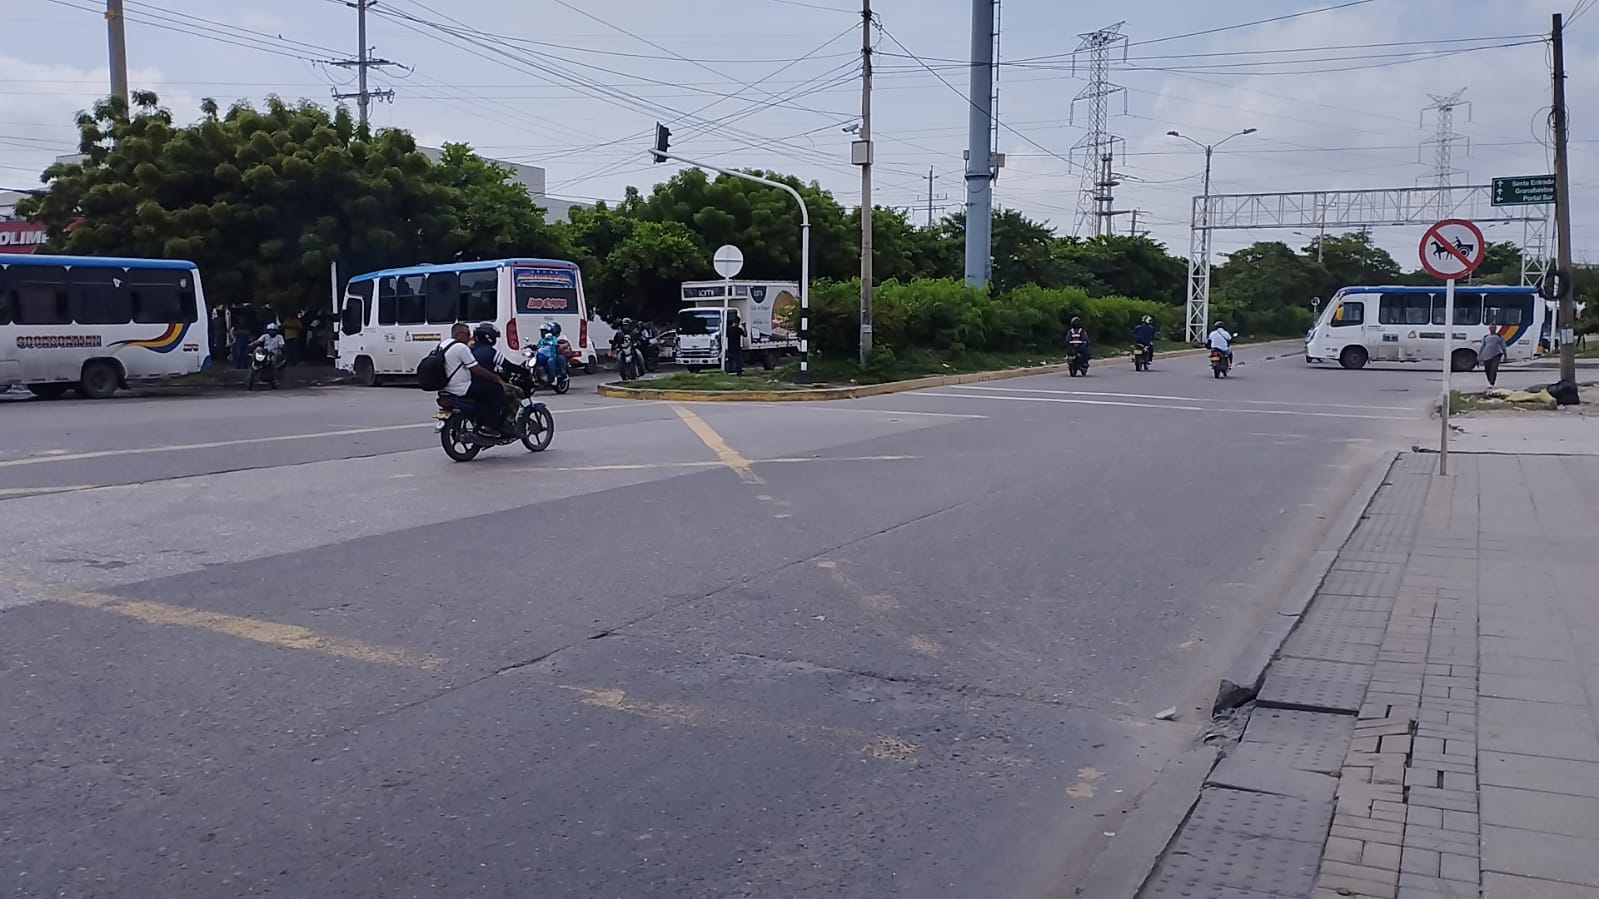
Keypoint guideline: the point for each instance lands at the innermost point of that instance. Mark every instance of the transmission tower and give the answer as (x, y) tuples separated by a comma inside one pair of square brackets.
[(1442, 143), (362, 63), (1098, 146)]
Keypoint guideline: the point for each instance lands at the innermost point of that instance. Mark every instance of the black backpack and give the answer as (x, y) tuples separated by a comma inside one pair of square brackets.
[(430, 372)]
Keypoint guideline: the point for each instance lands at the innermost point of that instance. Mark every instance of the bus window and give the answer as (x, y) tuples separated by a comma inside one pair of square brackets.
[(480, 296), (1499, 309), (41, 295), (162, 296), (1404, 309), (357, 298), (386, 301), (409, 300), (1468, 308), (1351, 312), (99, 296), (443, 298)]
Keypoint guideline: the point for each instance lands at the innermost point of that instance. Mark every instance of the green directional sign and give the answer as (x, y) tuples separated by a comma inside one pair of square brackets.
[(1524, 190)]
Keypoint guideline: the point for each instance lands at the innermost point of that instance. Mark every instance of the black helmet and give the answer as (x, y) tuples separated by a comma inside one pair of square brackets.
[(1077, 321), (486, 333)]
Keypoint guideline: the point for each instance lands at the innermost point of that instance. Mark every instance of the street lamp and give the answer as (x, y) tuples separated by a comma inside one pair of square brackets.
[(1202, 258)]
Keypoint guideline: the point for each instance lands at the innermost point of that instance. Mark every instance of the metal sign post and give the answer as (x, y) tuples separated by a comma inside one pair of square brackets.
[(729, 261), (1450, 249)]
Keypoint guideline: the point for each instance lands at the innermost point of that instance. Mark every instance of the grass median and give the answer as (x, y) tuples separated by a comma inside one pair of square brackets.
[(846, 373)]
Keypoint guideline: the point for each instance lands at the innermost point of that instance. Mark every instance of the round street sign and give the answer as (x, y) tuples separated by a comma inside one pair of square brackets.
[(729, 260), (1452, 249)]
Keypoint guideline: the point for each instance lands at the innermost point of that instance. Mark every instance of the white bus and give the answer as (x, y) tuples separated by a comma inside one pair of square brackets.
[(1406, 324), (93, 324), (393, 318)]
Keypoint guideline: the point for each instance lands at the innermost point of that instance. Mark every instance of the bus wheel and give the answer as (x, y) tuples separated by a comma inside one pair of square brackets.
[(769, 360), (366, 374), (1463, 360), (48, 391), (1353, 357), (100, 379)]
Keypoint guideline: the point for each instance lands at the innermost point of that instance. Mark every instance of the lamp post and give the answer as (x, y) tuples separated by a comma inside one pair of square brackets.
[(1201, 259)]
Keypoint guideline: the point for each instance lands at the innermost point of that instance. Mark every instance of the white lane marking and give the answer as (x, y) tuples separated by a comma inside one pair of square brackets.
[(1191, 399), (1055, 399), (57, 456)]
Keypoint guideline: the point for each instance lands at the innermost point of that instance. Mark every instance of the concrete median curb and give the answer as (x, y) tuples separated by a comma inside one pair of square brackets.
[(848, 393)]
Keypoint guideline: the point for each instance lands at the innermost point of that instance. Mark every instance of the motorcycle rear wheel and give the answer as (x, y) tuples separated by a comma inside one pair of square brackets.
[(563, 384), (537, 441), (455, 441)]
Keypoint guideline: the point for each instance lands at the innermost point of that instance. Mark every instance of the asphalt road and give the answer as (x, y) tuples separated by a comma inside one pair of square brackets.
[(278, 644)]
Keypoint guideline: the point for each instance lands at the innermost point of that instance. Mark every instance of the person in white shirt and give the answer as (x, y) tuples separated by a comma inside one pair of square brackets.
[(272, 342), (467, 379), (1221, 339)]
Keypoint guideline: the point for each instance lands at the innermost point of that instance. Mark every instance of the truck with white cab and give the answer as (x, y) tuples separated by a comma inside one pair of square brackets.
[(765, 308)]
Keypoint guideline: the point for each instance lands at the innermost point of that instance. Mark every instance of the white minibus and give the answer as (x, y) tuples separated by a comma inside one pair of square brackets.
[(1406, 324)]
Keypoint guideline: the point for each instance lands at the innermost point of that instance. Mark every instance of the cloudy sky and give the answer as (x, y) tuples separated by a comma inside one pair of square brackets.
[(1335, 88)]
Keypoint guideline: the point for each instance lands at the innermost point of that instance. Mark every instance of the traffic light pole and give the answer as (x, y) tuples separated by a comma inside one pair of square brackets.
[(661, 155)]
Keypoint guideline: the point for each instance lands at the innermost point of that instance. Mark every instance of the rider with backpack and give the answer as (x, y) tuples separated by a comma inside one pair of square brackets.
[(454, 368)]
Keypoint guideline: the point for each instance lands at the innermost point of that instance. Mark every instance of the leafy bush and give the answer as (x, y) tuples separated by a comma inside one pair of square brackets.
[(947, 316)]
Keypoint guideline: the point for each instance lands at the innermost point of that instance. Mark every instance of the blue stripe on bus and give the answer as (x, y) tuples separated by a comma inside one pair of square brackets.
[(117, 261), (478, 266)]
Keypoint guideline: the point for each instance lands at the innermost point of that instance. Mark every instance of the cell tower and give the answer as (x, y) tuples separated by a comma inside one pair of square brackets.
[(1098, 146), (1442, 143)]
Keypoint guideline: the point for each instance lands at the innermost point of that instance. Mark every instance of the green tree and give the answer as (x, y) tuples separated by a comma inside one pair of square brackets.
[(1351, 259), (1117, 265), (762, 221), (635, 267), (264, 200)]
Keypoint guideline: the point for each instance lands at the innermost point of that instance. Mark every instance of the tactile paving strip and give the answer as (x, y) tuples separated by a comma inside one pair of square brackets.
[(1246, 814), (1319, 758), (1334, 643), (1292, 727), (1210, 862), (1315, 684), (1352, 611)]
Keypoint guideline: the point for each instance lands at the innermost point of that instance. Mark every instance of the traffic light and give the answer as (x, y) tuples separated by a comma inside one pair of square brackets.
[(663, 134)]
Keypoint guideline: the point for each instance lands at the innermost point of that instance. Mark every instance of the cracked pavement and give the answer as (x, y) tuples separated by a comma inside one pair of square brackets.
[(905, 646)]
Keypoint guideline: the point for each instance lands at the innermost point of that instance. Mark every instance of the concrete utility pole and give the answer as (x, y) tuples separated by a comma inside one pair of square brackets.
[(863, 158), (1567, 319), (117, 37), (363, 61), (979, 141)]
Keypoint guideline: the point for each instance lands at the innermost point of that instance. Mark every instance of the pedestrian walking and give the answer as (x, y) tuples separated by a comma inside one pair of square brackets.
[(1491, 354)]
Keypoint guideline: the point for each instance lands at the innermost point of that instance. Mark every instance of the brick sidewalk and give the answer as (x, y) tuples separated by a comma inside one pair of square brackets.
[(1430, 728)]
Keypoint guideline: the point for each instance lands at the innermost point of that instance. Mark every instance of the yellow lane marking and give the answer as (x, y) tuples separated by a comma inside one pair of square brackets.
[(270, 633), (878, 746), (708, 436)]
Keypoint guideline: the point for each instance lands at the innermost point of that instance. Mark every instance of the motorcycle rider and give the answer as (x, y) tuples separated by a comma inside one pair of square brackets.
[(1144, 333), (1221, 340), (548, 353), (271, 341), (471, 373), (1077, 334)]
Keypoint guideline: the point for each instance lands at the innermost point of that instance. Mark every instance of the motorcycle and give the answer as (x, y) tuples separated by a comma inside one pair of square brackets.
[(529, 421), (262, 368), (1220, 363), (1076, 358), (629, 355), (651, 350), (541, 379), (1143, 356)]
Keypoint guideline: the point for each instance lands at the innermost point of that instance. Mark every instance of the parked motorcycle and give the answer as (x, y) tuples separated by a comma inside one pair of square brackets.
[(528, 421), (1143, 356), (1077, 358), (263, 369), (1220, 363)]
